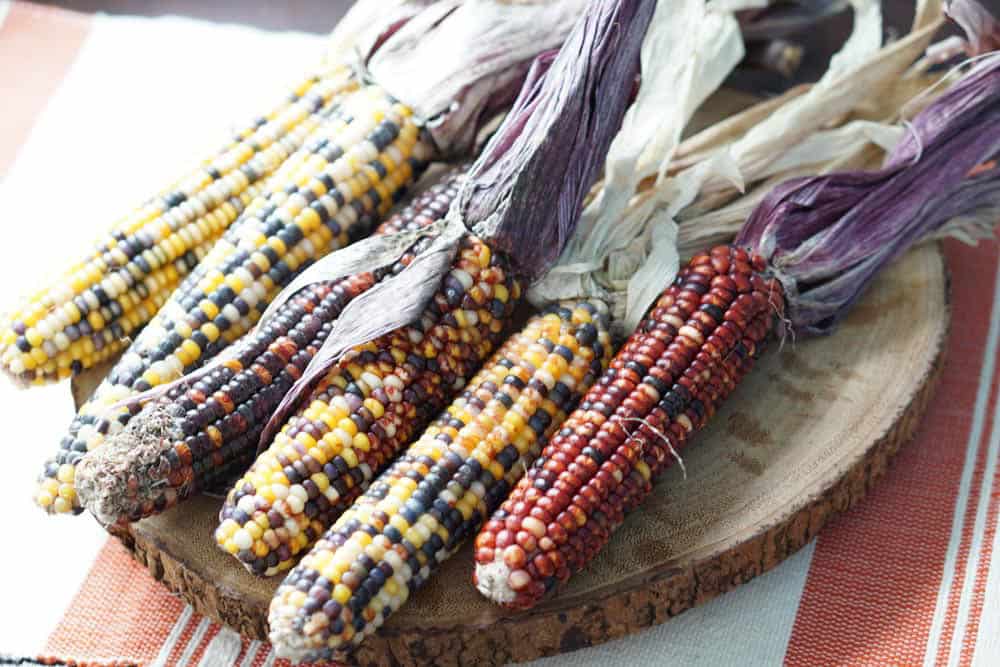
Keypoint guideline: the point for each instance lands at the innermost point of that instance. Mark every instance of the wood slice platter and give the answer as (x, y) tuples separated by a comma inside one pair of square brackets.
[(805, 437)]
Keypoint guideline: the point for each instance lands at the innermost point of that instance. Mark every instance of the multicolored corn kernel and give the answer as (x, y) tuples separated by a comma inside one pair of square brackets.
[(364, 412), (361, 413), (671, 376), (87, 314), (350, 172), (440, 490), (258, 378)]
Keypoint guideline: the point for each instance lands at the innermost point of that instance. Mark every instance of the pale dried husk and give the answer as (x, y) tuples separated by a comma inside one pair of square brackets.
[(716, 177)]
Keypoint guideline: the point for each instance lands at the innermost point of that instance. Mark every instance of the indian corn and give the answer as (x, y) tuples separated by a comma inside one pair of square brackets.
[(672, 374), (367, 407), (235, 400), (88, 313), (441, 489), (328, 194)]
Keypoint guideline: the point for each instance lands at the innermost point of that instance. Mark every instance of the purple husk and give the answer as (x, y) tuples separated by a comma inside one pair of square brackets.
[(981, 24), (524, 193), (826, 237)]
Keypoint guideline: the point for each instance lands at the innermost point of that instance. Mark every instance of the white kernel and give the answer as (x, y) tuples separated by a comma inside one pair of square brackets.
[(345, 438), (247, 504), (462, 277), (61, 341), (242, 539)]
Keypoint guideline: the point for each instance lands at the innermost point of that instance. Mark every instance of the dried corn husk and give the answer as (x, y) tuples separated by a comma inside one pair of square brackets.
[(981, 25), (633, 254), (523, 195), (354, 34), (825, 237)]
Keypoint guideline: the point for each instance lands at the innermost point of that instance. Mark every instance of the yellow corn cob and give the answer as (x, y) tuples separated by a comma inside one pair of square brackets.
[(328, 194), (87, 314), (434, 496)]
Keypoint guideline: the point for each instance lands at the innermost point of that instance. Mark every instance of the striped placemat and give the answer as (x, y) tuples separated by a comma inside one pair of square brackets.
[(102, 110)]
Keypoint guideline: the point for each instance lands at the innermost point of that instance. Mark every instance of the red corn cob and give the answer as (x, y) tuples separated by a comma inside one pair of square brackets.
[(685, 358)]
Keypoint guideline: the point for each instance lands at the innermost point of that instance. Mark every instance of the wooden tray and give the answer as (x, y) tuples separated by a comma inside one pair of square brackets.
[(813, 427)]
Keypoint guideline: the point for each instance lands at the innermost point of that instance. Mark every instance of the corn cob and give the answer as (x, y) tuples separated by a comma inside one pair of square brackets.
[(329, 193), (673, 373), (362, 412), (421, 509), (261, 499), (87, 315), (255, 379)]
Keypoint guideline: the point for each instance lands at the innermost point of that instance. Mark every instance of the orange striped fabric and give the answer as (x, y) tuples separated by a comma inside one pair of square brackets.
[(121, 615), (874, 581)]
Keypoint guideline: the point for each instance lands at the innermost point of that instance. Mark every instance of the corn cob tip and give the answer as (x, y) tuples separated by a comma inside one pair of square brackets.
[(289, 643), (492, 580), (118, 481)]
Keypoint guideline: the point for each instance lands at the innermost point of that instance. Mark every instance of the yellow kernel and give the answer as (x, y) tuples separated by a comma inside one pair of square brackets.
[(465, 508), (350, 458), (414, 536), (348, 425), (209, 308), (235, 283), (308, 220), (306, 440), (341, 593), (254, 529), (374, 407), (321, 481), (61, 505), (317, 453), (278, 245), (361, 442), (211, 331)]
